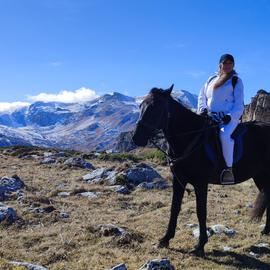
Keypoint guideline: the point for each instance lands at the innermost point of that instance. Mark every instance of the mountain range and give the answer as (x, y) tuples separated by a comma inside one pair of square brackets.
[(91, 125)]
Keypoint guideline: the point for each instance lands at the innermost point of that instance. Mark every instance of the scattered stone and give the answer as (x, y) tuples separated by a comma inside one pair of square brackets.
[(9, 184), (196, 232), (89, 194), (226, 248), (63, 194), (39, 210), (156, 184), (100, 176), (250, 205), (123, 190), (48, 160), (8, 214), (29, 266), (158, 264), (130, 239), (109, 230), (64, 215), (219, 228), (237, 212), (140, 173), (121, 266), (191, 225), (79, 162), (215, 229)]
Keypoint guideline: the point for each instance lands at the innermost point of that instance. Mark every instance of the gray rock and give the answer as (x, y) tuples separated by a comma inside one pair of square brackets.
[(95, 176), (29, 266), (79, 162), (141, 173), (158, 264), (8, 214), (48, 160), (110, 178), (63, 194), (191, 225), (64, 215), (156, 184), (101, 175), (123, 190), (226, 248), (121, 266), (196, 232), (110, 230), (89, 194), (215, 229), (10, 184)]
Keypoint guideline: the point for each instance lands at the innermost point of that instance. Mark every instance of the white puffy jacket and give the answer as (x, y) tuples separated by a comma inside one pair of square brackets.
[(222, 99)]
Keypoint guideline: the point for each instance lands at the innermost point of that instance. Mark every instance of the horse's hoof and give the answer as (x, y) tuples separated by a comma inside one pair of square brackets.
[(199, 252), (163, 244)]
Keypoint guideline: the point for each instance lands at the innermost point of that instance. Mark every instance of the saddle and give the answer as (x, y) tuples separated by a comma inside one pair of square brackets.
[(213, 147)]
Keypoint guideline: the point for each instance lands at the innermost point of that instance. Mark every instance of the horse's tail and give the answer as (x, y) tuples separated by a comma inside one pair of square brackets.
[(259, 207)]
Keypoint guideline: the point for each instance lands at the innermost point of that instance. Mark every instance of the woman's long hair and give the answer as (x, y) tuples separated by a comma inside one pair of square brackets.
[(223, 78)]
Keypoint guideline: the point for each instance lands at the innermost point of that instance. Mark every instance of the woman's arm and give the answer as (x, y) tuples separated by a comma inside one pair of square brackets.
[(202, 100)]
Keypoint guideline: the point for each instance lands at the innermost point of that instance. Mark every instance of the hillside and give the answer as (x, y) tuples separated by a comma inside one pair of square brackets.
[(61, 218)]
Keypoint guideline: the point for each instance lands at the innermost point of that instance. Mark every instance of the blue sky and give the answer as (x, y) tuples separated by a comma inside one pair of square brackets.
[(128, 46)]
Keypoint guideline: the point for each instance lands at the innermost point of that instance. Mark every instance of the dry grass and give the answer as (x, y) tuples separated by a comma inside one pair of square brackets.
[(48, 240)]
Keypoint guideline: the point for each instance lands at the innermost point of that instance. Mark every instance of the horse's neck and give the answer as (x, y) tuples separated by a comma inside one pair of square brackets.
[(181, 121)]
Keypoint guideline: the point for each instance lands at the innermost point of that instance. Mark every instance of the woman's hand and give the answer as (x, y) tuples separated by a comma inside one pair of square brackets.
[(226, 119)]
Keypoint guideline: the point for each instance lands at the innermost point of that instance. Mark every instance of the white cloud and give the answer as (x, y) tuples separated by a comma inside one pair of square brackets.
[(12, 106), (196, 74), (80, 95), (56, 63)]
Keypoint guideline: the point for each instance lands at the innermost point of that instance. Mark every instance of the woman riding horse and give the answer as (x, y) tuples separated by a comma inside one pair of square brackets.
[(222, 99)]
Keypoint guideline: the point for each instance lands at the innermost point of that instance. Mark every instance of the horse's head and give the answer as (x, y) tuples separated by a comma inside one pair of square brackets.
[(153, 116)]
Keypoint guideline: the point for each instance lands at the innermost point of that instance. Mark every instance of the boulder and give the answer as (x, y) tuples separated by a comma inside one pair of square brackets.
[(101, 175), (48, 160), (8, 214), (9, 184), (156, 184), (78, 162), (157, 264), (140, 173), (29, 266)]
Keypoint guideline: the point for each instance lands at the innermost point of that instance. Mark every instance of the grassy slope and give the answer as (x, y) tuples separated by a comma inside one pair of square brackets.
[(57, 244)]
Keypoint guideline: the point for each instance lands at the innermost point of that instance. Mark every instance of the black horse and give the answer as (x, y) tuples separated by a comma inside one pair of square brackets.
[(185, 132)]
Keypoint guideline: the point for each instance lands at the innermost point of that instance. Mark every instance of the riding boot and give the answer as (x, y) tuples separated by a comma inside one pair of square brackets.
[(227, 177)]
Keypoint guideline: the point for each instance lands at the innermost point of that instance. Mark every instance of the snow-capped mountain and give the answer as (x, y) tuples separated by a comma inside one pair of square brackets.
[(92, 125)]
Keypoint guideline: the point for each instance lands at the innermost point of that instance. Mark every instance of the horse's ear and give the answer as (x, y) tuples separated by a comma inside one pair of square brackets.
[(169, 90)]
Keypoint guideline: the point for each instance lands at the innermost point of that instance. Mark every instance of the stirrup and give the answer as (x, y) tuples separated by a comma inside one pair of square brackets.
[(227, 179)]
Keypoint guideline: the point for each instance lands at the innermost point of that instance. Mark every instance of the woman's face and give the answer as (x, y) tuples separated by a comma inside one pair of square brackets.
[(226, 66)]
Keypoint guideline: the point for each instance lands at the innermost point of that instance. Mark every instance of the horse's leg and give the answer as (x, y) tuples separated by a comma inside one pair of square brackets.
[(201, 205), (261, 182), (178, 193), (266, 229)]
